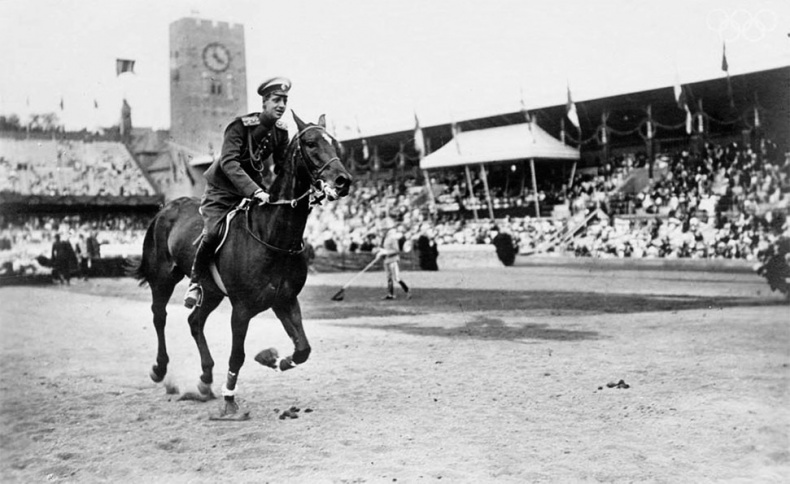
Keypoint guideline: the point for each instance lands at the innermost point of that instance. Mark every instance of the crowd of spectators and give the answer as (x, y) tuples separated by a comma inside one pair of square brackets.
[(723, 201), (69, 167), (24, 239)]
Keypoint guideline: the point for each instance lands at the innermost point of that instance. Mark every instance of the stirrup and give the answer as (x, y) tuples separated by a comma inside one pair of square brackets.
[(194, 296)]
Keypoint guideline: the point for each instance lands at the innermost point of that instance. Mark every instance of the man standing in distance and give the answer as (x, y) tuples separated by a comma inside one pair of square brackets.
[(390, 251)]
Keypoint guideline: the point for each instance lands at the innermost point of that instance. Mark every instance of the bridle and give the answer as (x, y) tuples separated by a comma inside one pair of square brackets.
[(315, 183)]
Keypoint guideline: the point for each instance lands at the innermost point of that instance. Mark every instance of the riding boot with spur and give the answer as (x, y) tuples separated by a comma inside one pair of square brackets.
[(200, 270)]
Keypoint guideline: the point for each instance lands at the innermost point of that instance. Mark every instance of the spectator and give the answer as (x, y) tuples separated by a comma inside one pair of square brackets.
[(428, 251), (64, 261)]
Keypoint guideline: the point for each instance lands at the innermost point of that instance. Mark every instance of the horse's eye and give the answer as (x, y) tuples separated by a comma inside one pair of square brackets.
[(311, 144)]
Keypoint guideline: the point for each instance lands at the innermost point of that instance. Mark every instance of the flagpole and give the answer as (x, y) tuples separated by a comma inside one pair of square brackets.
[(534, 188), (488, 192)]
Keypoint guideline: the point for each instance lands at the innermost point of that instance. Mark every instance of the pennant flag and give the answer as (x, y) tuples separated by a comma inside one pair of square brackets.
[(365, 150), (188, 172), (123, 65), (419, 139), (95, 104), (61, 103), (456, 131), (680, 93), (573, 116), (724, 65)]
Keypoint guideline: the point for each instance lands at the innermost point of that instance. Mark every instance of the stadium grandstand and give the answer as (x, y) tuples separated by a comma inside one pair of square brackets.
[(696, 172), (693, 171), (76, 185)]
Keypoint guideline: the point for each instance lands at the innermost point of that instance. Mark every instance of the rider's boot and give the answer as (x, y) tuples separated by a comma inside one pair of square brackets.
[(200, 270)]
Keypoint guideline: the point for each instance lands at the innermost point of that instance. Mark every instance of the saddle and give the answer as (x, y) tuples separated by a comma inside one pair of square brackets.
[(224, 228)]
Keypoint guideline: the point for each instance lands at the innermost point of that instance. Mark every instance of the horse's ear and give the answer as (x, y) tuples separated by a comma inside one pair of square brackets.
[(300, 125), (322, 121)]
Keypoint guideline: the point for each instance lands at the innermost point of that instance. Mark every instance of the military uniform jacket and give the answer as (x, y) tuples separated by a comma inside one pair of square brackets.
[(241, 168)]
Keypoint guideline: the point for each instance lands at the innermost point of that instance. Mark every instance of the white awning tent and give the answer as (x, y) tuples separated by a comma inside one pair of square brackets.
[(525, 141), (505, 143)]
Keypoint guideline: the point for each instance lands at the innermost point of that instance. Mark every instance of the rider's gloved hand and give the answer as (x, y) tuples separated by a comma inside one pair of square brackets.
[(261, 197)]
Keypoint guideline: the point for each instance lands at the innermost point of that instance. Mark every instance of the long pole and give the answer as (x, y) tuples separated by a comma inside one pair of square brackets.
[(469, 190), (573, 174), (534, 187), (432, 200), (488, 192)]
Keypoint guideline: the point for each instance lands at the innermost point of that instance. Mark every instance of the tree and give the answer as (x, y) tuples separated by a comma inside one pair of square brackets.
[(44, 122), (10, 123)]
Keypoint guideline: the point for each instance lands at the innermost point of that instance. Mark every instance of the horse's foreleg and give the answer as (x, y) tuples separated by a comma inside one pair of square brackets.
[(239, 323), (290, 315)]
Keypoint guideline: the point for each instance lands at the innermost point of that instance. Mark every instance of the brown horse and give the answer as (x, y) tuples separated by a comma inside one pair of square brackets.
[(260, 263)]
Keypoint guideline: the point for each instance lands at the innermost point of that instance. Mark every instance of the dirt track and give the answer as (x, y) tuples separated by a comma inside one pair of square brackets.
[(467, 382)]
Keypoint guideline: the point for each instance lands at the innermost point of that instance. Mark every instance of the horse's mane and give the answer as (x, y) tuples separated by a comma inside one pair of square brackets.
[(290, 153)]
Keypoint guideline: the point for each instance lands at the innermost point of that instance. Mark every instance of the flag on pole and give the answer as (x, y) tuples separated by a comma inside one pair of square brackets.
[(419, 139), (61, 103), (123, 65), (95, 104), (365, 149), (573, 116), (456, 130), (725, 66), (680, 93)]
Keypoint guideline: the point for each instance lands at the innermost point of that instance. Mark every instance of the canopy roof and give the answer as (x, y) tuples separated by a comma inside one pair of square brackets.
[(503, 143)]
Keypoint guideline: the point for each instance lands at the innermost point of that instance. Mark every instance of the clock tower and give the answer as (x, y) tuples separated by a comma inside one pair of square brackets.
[(208, 82)]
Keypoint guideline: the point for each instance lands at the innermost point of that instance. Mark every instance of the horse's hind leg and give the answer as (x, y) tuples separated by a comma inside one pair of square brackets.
[(161, 293), (290, 315), (197, 322)]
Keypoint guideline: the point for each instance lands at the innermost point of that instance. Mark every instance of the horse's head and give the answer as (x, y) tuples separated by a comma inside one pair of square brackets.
[(320, 153)]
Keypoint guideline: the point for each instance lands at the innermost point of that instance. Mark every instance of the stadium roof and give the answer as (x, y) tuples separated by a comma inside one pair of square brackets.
[(504, 143)]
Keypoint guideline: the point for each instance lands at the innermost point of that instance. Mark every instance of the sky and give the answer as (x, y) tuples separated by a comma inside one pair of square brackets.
[(371, 65)]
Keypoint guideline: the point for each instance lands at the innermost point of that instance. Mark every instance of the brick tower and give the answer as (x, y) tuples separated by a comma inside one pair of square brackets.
[(208, 82)]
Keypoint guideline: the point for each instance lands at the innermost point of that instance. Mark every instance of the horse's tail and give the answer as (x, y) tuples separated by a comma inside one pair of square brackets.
[(140, 270)]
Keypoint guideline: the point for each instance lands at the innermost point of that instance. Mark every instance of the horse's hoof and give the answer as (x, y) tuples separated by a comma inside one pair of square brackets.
[(230, 413), (203, 394), (155, 376), (268, 358)]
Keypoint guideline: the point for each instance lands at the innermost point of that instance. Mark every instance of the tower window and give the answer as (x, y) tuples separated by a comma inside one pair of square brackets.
[(229, 90), (216, 87)]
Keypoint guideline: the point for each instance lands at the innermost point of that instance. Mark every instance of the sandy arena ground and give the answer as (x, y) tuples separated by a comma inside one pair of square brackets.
[(491, 374)]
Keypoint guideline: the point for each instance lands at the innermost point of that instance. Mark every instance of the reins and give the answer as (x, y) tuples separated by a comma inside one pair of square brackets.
[(297, 139), (246, 203)]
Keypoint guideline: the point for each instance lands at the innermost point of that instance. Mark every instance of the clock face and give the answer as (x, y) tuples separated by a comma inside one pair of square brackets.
[(216, 57)]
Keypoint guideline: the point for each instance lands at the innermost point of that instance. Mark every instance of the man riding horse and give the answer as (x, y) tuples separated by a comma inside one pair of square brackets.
[(240, 172)]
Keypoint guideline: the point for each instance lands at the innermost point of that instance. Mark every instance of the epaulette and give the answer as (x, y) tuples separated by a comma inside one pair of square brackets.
[(251, 120), (281, 124)]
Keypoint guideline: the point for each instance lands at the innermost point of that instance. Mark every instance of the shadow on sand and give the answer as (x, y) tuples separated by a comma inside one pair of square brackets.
[(486, 328)]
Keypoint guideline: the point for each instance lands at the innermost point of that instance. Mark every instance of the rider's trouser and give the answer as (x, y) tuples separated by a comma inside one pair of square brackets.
[(205, 252)]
